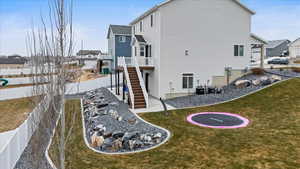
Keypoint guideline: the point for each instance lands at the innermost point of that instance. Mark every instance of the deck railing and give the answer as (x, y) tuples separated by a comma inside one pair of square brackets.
[(142, 83), (141, 61), (122, 62)]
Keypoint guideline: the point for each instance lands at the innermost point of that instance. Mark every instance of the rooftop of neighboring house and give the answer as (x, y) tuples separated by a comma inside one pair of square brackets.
[(275, 43), (88, 52), (156, 7), (15, 59), (119, 30)]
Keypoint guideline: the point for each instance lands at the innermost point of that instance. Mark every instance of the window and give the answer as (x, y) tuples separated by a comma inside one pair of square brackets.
[(188, 81), (142, 51), (122, 39), (133, 29), (141, 26), (135, 51), (238, 50), (151, 21)]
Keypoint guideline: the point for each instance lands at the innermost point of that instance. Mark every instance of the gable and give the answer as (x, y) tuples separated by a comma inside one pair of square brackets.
[(156, 7), (296, 42)]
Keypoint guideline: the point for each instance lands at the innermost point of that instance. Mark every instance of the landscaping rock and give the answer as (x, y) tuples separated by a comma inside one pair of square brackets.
[(118, 134), (256, 82), (117, 145), (242, 83), (96, 140), (275, 78), (265, 81)]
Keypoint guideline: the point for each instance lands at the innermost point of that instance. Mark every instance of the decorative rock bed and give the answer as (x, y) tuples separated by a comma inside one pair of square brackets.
[(111, 128), (247, 84)]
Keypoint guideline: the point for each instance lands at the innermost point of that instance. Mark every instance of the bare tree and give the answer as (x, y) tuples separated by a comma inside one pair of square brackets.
[(50, 47)]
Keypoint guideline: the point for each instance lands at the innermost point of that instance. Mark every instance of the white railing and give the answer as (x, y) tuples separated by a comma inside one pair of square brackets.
[(142, 83), (142, 61), (145, 61), (122, 62)]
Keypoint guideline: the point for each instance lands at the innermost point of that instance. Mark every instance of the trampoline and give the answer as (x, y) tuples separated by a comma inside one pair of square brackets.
[(219, 120)]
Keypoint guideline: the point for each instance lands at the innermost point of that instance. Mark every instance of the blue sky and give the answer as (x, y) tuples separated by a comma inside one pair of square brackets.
[(275, 19)]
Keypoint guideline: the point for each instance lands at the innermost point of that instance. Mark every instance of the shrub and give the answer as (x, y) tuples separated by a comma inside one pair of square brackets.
[(297, 61), (296, 69), (258, 71)]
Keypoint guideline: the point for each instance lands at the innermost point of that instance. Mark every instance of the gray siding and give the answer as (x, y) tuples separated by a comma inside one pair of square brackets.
[(271, 52), (123, 48)]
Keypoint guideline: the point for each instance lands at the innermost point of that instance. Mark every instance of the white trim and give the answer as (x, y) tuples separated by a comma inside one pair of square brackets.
[(156, 7)]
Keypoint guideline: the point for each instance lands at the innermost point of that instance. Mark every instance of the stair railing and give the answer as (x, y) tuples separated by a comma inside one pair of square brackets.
[(142, 83), (131, 95)]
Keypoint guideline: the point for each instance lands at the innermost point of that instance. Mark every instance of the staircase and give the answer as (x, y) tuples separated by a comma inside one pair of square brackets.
[(139, 99)]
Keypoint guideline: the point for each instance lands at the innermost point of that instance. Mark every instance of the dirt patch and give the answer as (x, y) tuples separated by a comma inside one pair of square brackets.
[(14, 112)]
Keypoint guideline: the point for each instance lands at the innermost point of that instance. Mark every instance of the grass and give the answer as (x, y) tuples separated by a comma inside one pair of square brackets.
[(14, 112), (270, 141)]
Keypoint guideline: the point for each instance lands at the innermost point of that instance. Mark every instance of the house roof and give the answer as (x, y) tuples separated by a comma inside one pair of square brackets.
[(275, 43), (294, 41), (140, 38), (88, 52), (119, 30), (12, 60), (156, 7), (258, 38)]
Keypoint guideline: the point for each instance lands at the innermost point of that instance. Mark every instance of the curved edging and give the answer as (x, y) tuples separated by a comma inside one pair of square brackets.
[(234, 99), (123, 153), (244, 124)]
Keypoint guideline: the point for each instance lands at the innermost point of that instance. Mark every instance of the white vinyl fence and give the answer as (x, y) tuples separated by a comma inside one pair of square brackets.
[(12, 151)]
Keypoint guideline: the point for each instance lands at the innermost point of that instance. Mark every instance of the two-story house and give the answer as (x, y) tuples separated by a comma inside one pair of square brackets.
[(119, 42), (180, 44), (277, 48)]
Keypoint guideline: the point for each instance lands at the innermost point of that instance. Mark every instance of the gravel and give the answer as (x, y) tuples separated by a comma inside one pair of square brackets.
[(285, 72), (229, 92), (109, 117)]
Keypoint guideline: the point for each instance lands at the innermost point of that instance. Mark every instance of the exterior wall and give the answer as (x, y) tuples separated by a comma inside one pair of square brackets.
[(273, 52), (123, 48), (294, 49), (152, 36), (111, 48), (210, 42), (220, 81)]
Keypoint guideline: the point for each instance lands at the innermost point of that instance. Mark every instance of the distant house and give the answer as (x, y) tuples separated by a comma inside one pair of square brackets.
[(277, 48), (119, 42), (89, 53), (294, 49), (13, 62)]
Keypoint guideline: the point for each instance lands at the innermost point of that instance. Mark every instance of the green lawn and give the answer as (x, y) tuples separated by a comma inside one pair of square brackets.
[(272, 140)]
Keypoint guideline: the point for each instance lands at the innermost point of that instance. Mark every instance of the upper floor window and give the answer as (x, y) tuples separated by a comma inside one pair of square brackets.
[(134, 29), (151, 21), (142, 51), (122, 39), (141, 26), (188, 81), (238, 50)]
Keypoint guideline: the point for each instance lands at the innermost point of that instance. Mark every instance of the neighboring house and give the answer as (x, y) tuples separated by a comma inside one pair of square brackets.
[(119, 42), (277, 48), (88, 53), (179, 45), (294, 49), (13, 62)]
